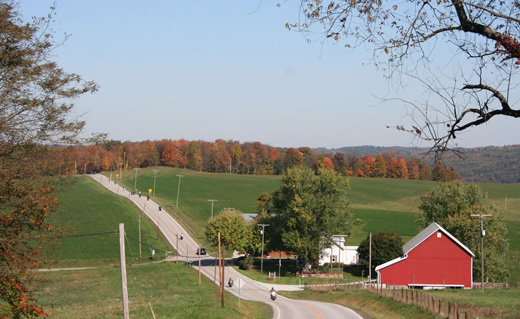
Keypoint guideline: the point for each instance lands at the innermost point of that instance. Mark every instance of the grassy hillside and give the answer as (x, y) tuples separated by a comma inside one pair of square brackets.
[(172, 289), (378, 204), (86, 209)]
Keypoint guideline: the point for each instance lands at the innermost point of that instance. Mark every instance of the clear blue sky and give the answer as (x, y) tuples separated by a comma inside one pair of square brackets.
[(229, 70)]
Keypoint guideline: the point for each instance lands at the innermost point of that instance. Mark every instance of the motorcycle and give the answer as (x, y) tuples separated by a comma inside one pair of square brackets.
[(273, 295), (230, 282)]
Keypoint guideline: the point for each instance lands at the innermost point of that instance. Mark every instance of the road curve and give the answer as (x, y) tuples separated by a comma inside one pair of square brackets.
[(283, 308)]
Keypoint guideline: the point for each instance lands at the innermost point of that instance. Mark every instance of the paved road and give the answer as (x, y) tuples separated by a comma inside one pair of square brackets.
[(283, 307)]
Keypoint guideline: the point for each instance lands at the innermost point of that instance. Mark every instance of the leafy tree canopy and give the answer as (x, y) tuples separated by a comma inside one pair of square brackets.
[(385, 247), (235, 232), (306, 205)]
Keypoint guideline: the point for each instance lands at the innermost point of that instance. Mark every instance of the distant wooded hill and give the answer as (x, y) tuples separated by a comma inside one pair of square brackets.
[(492, 164)]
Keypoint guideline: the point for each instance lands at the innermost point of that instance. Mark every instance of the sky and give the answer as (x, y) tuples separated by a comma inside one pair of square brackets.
[(207, 70)]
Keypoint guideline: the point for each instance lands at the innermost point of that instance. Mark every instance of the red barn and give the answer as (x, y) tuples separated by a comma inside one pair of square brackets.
[(433, 258)]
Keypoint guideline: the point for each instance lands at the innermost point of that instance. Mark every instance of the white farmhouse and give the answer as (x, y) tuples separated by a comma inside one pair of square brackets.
[(347, 255)]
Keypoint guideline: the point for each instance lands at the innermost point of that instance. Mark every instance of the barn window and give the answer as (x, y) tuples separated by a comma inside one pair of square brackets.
[(438, 234)]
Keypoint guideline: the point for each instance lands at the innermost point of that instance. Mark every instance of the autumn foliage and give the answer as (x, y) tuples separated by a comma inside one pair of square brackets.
[(27, 201), (238, 158)]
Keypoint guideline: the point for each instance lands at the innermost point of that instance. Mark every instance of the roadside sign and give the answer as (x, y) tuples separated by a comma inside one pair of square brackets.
[(150, 191), (240, 284)]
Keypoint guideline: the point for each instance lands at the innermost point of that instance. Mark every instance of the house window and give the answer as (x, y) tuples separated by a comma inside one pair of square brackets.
[(438, 234)]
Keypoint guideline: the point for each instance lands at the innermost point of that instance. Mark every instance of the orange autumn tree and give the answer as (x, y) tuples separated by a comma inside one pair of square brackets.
[(26, 204)]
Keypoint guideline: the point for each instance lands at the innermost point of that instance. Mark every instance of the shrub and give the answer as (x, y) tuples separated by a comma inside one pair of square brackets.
[(245, 263)]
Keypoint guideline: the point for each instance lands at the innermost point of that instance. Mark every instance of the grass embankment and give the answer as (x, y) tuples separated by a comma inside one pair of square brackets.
[(172, 289), (493, 303), (369, 303)]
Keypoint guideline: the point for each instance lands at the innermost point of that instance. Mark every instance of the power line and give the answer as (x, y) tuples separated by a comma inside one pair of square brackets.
[(95, 234)]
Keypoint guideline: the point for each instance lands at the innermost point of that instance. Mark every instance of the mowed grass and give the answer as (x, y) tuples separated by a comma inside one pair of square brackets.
[(172, 291), (378, 204)]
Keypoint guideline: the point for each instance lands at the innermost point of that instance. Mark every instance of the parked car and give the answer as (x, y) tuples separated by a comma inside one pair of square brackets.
[(202, 251)]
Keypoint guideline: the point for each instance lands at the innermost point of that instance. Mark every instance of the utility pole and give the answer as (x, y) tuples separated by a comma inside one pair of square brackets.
[(200, 249), (177, 247), (124, 161), (178, 190), (140, 255), (262, 257), (370, 260), (135, 179), (220, 270), (223, 272), (212, 200), (124, 287), (154, 177), (482, 234), (120, 172)]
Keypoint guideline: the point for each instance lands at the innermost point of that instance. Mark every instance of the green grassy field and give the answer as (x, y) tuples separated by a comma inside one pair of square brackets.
[(172, 289), (86, 208)]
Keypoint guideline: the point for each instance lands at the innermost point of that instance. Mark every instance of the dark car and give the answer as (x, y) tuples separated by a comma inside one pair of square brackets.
[(202, 251)]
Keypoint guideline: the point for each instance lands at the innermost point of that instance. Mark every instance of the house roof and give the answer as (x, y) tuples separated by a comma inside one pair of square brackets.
[(418, 239)]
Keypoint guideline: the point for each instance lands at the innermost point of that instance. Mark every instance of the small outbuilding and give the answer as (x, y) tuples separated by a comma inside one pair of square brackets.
[(433, 258)]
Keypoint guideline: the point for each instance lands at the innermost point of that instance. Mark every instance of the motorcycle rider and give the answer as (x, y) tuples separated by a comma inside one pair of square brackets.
[(272, 292)]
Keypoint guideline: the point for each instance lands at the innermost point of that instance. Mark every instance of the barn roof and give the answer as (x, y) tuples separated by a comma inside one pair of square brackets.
[(427, 232), (418, 239)]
